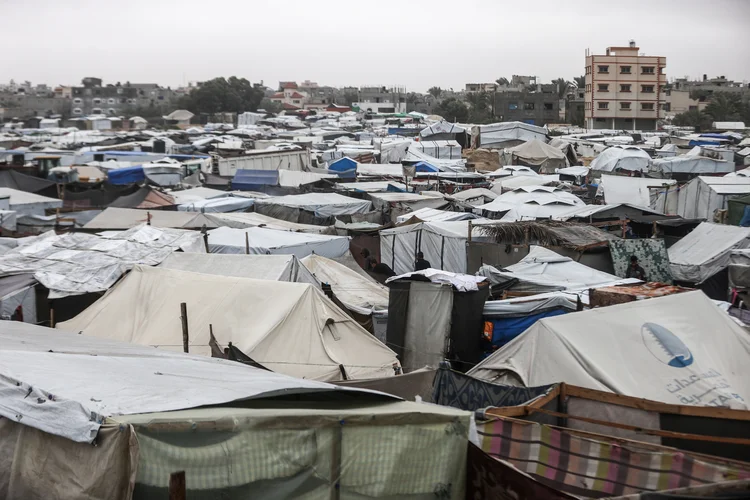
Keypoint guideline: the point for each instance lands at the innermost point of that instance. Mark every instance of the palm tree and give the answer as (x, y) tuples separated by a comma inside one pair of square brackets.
[(562, 87), (580, 81), (693, 118), (502, 81), (435, 92), (724, 106)]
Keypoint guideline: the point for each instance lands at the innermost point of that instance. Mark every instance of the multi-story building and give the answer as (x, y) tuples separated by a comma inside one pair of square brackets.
[(93, 98), (624, 89), (380, 99), (289, 96), (481, 87), (534, 107)]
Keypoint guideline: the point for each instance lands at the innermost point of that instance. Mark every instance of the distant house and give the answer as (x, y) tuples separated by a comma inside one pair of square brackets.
[(181, 118), (289, 96)]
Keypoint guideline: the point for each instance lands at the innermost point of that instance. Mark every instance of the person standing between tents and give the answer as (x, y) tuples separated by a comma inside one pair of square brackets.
[(421, 264), (634, 270)]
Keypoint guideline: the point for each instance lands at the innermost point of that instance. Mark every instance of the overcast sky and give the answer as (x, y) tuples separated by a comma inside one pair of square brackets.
[(412, 43)]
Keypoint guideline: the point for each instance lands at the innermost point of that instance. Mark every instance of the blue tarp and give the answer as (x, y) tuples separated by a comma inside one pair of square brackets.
[(343, 165), (393, 189), (403, 131), (706, 142), (506, 329), (716, 136), (251, 180), (423, 166), (127, 175)]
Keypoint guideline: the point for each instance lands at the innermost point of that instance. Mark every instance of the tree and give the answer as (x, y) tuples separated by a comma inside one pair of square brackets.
[(724, 107), (269, 105), (452, 109), (562, 87), (502, 81), (350, 97), (693, 118), (480, 107), (580, 81), (224, 95), (435, 92)]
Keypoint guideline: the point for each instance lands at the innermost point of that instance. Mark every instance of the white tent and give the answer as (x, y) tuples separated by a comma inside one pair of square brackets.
[(536, 201), (536, 153), (704, 195), (621, 158), (679, 349), (443, 164), (690, 165), (443, 245), (441, 129), (506, 134), (433, 215), (291, 328), (516, 181), (24, 203), (357, 292), (257, 240), (446, 150), (705, 251), (261, 267), (544, 270), (637, 190), (321, 204), (241, 220)]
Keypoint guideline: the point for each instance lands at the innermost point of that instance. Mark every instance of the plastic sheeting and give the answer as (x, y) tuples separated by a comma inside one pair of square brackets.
[(24, 203), (322, 204), (621, 158), (358, 293), (498, 135), (269, 241), (243, 220), (81, 379), (428, 325), (430, 214), (261, 267), (679, 349), (704, 195), (218, 205), (537, 153), (441, 128), (445, 150), (690, 165), (77, 263), (462, 282), (705, 251), (8, 220), (635, 190), (291, 328), (126, 218), (127, 175)]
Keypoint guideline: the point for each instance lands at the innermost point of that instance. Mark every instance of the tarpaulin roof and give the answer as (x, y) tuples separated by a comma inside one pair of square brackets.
[(290, 328), (127, 175), (22, 182), (125, 218), (621, 158), (691, 165), (145, 197), (248, 179), (25, 203), (430, 214), (440, 128), (679, 349), (324, 204), (218, 205), (705, 251), (92, 378), (241, 220), (637, 190), (536, 152), (78, 263), (259, 240), (495, 134)]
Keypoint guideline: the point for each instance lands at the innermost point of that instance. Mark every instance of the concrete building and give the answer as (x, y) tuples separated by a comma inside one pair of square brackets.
[(575, 107), (380, 99), (93, 98), (481, 87), (624, 89), (537, 108), (290, 97)]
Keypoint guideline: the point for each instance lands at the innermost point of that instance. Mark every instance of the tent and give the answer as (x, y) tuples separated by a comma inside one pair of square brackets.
[(259, 240), (506, 134), (543, 270), (291, 328), (108, 418), (125, 218), (443, 245), (536, 154), (685, 164), (618, 158), (223, 204), (636, 190), (195, 194), (311, 206), (530, 202), (441, 130), (415, 155), (126, 175), (433, 215), (145, 197), (705, 251), (241, 220), (449, 150), (25, 203), (704, 195), (261, 267), (22, 182), (679, 349), (567, 148)]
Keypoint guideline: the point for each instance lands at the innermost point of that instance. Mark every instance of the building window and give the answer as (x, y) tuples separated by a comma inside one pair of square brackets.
[(624, 105), (112, 111), (296, 101), (624, 70), (667, 106), (647, 70), (661, 70), (603, 87), (528, 106), (110, 101), (512, 106), (548, 106), (647, 106), (647, 89), (77, 111), (122, 100), (161, 97), (628, 120), (603, 69), (77, 100), (600, 119), (692, 108), (120, 90), (624, 88), (603, 105), (96, 111), (97, 101)]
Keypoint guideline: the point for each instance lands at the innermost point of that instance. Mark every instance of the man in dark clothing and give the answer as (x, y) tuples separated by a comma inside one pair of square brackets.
[(634, 270), (421, 264), (370, 261)]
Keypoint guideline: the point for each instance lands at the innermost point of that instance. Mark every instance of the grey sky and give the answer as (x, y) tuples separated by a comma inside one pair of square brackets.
[(344, 42)]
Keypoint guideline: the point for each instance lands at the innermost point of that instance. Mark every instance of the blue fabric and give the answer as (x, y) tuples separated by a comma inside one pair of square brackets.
[(423, 166), (250, 180), (706, 142), (506, 329), (127, 175), (393, 189), (715, 136), (343, 165), (745, 222)]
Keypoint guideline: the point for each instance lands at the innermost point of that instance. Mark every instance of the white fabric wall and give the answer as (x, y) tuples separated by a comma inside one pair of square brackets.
[(428, 325)]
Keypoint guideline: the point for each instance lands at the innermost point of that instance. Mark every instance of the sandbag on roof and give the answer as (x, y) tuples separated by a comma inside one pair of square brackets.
[(705, 251), (291, 328), (357, 292), (679, 349)]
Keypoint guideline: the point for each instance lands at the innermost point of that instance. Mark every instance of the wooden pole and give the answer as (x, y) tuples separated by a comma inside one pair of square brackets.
[(177, 486), (184, 318), (247, 244), (470, 231)]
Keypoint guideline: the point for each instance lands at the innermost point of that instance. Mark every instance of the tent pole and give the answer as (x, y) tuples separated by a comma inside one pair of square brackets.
[(184, 318), (247, 243)]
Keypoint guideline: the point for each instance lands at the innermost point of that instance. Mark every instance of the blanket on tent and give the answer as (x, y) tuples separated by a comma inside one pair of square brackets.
[(652, 257), (597, 469), (467, 393)]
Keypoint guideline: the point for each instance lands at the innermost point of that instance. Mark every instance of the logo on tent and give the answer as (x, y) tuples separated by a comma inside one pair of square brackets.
[(666, 346)]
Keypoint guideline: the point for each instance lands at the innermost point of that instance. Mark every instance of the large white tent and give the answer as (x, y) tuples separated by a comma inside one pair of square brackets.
[(321, 204), (446, 150), (536, 153), (641, 191), (679, 349), (24, 203), (705, 251), (261, 267), (506, 134), (258, 240), (291, 328), (704, 195), (530, 202), (621, 158)]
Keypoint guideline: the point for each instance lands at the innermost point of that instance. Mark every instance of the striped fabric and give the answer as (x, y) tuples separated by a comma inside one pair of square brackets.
[(596, 469)]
